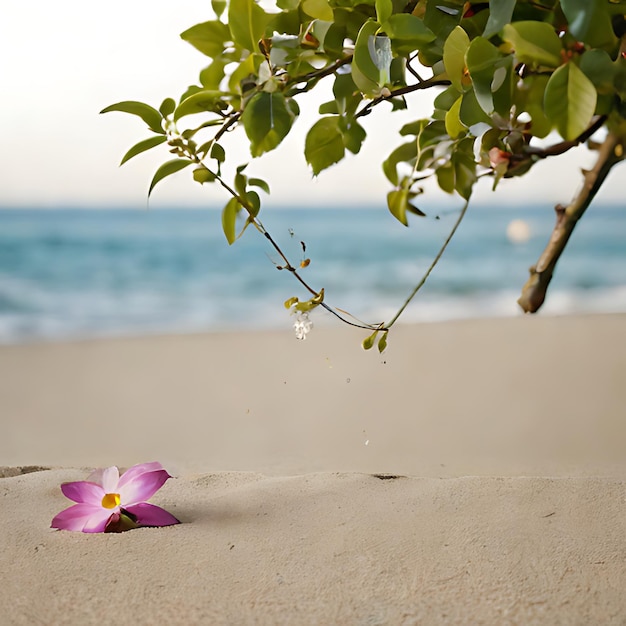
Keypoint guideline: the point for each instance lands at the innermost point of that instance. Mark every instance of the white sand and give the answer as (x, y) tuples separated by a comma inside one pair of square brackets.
[(509, 438)]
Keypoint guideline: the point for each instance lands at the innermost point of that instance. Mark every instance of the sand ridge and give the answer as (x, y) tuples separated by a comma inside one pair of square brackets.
[(475, 473), (327, 548)]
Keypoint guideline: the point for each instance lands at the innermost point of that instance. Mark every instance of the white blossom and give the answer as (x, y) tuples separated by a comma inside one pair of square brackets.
[(302, 325)]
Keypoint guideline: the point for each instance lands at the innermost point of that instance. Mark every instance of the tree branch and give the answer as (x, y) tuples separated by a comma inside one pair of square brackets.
[(254, 220), (564, 146), (316, 76), (233, 119), (533, 294), (325, 71), (425, 84)]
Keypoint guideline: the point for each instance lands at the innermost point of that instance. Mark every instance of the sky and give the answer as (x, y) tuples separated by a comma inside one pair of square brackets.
[(62, 62)]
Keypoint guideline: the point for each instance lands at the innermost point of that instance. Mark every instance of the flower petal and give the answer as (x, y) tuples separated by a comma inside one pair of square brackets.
[(84, 491), (141, 482), (150, 515), (142, 468), (96, 476), (110, 479), (82, 517)]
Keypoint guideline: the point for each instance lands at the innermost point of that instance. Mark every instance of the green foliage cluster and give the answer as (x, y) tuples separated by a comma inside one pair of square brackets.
[(508, 72)]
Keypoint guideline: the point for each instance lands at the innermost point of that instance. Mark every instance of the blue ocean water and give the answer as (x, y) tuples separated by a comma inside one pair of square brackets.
[(84, 273)]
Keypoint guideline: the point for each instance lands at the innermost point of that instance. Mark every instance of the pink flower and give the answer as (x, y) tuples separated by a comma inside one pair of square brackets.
[(499, 157), (110, 503)]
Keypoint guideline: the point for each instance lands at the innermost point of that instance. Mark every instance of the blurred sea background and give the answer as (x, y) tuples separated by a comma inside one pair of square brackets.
[(82, 273)]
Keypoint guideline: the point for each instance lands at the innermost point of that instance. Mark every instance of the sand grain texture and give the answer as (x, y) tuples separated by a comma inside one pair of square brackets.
[(474, 474), (328, 549)]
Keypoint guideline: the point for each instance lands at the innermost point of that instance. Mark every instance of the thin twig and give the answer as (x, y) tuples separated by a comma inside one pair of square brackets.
[(412, 69), (314, 77), (288, 266), (322, 73), (234, 118), (311, 80), (430, 269), (426, 84)]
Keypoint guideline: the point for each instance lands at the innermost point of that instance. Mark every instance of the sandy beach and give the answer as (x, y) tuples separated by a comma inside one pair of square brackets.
[(475, 473)]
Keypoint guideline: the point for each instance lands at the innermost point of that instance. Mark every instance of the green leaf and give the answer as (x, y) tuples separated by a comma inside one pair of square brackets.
[(353, 136), (212, 75), (309, 305), (203, 175), (218, 153), (464, 168), (167, 169), (267, 119), (368, 342), (530, 99), (397, 73), (347, 96), (384, 9), (570, 101), (535, 43), (445, 177), (503, 85), (241, 182), (444, 101), (229, 220), (482, 57), (407, 33), (405, 153), (599, 69), (619, 79), (245, 73), (500, 14), (329, 108), (247, 21), (365, 73), (260, 183), (208, 37), (411, 208), (343, 87), (471, 113), (218, 6), (454, 51), (431, 134), (590, 22), (454, 126), (382, 342), (253, 202), (442, 16), (318, 9), (167, 107), (142, 146), (147, 113), (399, 204), (417, 128), (199, 102), (324, 144), (286, 23)]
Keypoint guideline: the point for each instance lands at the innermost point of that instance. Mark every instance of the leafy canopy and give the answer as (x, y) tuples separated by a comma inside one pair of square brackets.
[(508, 72)]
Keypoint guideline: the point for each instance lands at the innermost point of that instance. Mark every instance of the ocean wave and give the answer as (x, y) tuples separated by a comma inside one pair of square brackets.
[(86, 274)]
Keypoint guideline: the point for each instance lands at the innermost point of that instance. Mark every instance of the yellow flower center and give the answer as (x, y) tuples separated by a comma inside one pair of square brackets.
[(111, 500)]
